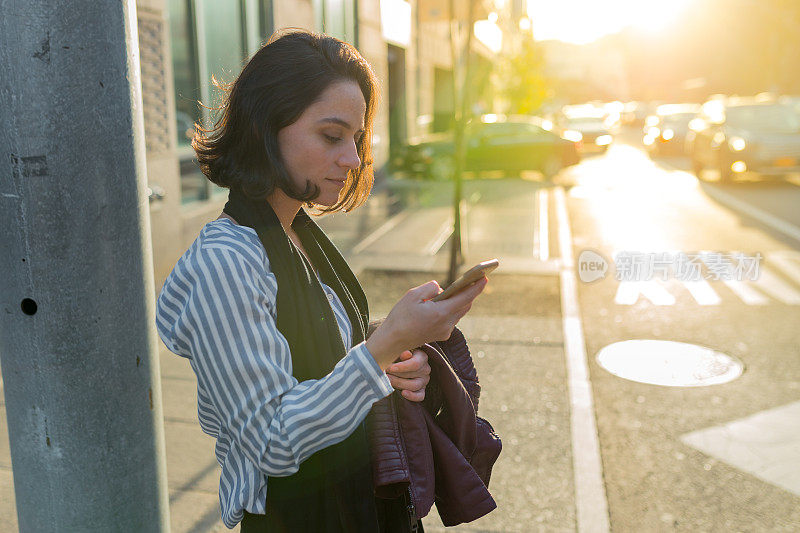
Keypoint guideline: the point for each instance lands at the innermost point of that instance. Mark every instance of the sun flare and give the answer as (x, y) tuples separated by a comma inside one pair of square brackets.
[(583, 21)]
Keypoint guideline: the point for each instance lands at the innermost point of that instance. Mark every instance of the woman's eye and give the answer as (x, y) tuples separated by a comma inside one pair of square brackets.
[(332, 140)]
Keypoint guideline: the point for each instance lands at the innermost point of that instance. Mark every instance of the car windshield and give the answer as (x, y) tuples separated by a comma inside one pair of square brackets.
[(678, 118), (768, 118)]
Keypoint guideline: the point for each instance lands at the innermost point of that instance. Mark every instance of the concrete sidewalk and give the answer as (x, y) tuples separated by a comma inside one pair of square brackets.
[(515, 334)]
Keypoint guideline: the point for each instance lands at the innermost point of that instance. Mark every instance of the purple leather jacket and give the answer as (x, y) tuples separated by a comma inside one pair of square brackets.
[(437, 450)]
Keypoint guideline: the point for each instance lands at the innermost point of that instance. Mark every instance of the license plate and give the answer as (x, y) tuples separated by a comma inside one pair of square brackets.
[(785, 162)]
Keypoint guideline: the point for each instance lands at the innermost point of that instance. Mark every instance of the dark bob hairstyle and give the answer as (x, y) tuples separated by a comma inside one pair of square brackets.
[(280, 81)]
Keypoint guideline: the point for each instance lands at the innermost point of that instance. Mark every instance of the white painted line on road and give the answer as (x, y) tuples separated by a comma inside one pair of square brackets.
[(702, 292), (628, 293), (544, 239), (433, 247), (536, 243), (744, 291), (765, 444), (776, 287), (590, 495), (786, 261), (380, 232), (795, 180), (778, 224)]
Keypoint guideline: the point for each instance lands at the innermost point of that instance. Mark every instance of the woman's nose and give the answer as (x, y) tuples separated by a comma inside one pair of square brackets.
[(349, 158)]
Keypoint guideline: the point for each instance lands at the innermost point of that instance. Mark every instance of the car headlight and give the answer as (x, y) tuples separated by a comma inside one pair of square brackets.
[(667, 134), (737, 144), (603, 140), (572, 135)]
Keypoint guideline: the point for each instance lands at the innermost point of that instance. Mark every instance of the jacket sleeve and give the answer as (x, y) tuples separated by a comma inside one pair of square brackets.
[(244, 363), (457, 353)]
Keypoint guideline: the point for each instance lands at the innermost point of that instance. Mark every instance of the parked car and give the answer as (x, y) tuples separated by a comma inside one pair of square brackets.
[(635, 113), (665, 131), (588, 125), (493, 142), (738, 135)]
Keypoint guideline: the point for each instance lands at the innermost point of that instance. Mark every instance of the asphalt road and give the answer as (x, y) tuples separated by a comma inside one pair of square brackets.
[(722, 457)]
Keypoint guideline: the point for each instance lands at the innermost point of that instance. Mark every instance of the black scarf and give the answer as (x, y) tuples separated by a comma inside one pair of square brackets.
[(332, 491)]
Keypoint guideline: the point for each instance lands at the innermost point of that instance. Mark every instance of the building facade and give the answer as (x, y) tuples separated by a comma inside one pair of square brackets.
[(186, 44)]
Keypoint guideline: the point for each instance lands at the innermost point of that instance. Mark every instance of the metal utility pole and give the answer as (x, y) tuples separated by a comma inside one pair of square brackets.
[(77, 339), (461, 108)]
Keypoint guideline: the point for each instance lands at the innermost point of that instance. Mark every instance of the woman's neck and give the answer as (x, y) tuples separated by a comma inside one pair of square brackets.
[(285, 208)]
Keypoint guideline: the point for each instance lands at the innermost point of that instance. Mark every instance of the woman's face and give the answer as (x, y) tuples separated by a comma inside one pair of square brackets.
[(320, 147)]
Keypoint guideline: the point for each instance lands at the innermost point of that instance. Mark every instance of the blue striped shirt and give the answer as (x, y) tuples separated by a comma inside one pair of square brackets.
[(217, 309)]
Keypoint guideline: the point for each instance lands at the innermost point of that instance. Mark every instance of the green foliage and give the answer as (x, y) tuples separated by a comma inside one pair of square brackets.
[(523, 84)]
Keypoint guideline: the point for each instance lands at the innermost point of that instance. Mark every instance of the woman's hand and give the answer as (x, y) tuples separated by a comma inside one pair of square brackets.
[(410, 375), (415, 320)]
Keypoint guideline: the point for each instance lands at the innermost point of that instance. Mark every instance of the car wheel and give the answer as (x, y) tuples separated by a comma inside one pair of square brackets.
[(725, 172), (442, 168), (551, 167), (697, 166)]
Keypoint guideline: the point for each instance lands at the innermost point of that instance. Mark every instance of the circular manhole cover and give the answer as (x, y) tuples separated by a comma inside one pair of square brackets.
[(669, 363)]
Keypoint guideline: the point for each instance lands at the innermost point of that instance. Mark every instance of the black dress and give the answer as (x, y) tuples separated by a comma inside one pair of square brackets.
[(393, 517)]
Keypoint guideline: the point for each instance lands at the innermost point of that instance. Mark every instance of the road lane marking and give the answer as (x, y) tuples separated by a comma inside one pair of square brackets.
[(702, 292), (544, 237), (776, 287), (787, 261), (744, 291), (445, 230), (628, 293), (778, 224), (385, 228), (536, 243), (794, 180), (765, 444), (590, 495)]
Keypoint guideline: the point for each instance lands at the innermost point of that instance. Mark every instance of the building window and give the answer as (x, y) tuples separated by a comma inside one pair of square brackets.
[(337, 18), (209, 38)]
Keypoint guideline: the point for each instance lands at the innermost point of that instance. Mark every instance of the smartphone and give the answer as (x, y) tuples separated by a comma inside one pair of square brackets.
[(467, 278)]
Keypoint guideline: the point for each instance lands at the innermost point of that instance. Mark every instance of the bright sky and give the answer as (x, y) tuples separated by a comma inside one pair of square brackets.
[(583, 21)]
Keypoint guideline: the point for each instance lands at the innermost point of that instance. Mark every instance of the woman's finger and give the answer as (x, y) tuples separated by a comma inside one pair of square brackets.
[(414, 396), (409, 384), (466, 296), (413, 364)]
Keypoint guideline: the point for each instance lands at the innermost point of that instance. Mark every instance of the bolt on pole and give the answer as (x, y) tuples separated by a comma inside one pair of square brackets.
[(78, 345)]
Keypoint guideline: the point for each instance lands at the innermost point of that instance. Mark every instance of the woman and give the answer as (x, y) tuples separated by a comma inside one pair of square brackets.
[(270, 315)]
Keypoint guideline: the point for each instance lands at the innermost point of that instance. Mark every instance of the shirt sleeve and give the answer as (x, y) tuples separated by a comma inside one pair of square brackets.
[(244, 364)]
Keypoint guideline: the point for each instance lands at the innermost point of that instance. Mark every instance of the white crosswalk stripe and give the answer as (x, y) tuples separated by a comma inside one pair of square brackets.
[(628, 293), (743, 290), (777, 288), (768, 287), (702, 292)]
